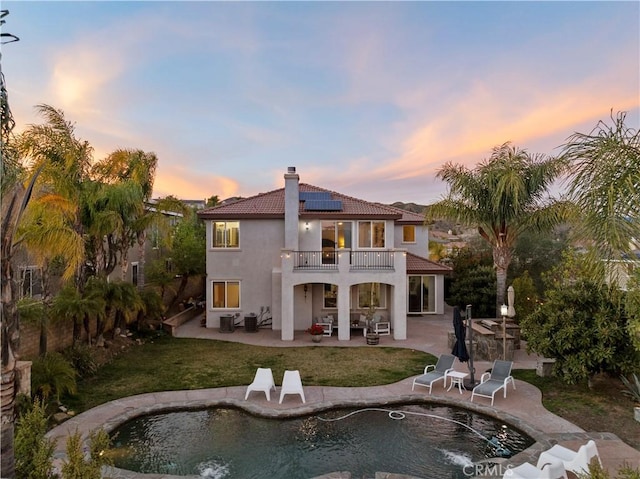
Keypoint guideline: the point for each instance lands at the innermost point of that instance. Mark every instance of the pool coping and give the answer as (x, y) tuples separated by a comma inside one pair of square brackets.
[(114, 413)]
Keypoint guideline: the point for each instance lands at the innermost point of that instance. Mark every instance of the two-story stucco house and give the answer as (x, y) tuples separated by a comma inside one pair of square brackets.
[(306, 252)]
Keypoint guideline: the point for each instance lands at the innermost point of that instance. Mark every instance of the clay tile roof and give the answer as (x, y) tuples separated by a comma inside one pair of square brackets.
[(419, 265), (271, 205)]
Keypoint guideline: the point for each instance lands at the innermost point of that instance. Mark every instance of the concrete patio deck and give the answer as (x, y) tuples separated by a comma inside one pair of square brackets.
[(522, 407)]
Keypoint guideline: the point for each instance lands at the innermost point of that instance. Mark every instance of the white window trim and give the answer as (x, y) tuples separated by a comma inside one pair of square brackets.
[(227, 281), (226, 237), (414, 234)]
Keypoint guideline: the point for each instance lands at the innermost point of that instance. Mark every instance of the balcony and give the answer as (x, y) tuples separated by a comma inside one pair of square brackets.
[(329, 260)]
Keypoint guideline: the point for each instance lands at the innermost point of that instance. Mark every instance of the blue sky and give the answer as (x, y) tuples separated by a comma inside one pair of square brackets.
[(365, 98)]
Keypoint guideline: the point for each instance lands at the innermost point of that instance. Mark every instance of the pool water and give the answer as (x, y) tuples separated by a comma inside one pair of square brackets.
[(421, 440)]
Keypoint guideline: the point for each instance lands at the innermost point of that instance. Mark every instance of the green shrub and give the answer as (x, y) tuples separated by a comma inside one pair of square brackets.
[(82, 359), (33, 451), (52, 376), (597, 472), (87, 466)]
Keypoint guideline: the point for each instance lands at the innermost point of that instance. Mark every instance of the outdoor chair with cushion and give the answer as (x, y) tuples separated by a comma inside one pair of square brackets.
[(435, 372), (527, 470), (574, 461), (327, 328), (497, 379), (263, 381), (292, 384)]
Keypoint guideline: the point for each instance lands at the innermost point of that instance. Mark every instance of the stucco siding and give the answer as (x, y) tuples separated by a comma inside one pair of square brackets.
[(251, 264)]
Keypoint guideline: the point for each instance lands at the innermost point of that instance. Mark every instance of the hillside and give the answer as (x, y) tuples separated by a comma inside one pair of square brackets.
[(438, 225)]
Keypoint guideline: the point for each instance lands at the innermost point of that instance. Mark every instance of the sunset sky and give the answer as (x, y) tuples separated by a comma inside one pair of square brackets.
[(365, 98)]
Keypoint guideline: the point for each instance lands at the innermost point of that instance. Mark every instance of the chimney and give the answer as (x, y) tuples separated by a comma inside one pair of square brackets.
[(291, 208)]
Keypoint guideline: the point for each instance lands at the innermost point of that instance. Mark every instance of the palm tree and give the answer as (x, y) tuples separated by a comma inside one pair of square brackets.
[(72, 305), (14, 198), (605, 185), (503, 197), (64, 163), (132, 174)]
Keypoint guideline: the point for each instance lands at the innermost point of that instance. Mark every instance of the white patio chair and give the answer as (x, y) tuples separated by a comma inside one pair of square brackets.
[(574, 461), (383, 328), (491, 383), (262, 381), (435, 372), (327, 328), (527, 470), (291, 384)]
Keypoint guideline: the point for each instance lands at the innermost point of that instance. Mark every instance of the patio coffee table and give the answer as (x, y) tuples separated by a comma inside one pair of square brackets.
[(456, 379)]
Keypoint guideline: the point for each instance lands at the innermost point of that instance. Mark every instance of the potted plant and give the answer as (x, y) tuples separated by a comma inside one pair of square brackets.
[(316, 331), (633, 390)]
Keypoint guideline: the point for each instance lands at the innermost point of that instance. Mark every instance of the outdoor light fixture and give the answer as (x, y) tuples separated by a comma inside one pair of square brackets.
[(504, 309), (306, 226)]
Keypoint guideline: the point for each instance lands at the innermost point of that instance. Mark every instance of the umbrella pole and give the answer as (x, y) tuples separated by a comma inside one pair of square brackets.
[(472, 380)]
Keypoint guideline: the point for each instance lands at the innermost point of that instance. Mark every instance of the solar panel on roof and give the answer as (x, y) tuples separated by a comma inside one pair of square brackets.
[(323, 205), (314, 195)]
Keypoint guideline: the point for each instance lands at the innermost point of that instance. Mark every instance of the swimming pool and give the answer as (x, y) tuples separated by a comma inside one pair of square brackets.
[(423, 440)]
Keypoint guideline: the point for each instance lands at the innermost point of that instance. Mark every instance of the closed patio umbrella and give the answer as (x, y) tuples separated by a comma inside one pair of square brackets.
[(460, 347), (510, 299)]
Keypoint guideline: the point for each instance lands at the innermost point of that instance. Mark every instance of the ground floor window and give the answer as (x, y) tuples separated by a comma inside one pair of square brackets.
[(330, 296), (372, 294), (422, 294), (226, 294), (134, 274)]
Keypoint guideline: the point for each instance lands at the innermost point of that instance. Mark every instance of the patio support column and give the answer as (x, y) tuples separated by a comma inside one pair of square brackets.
[(400, 298), (344, 262), (287, 323)]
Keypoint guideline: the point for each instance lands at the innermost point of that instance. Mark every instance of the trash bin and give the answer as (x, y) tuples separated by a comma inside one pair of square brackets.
[(251, 323), (226, 323)]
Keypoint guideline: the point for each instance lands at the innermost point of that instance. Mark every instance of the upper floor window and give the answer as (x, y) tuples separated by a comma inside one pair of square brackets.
[(408, 234), (371, 234), (30, 282), (226, 234), (336, 234)]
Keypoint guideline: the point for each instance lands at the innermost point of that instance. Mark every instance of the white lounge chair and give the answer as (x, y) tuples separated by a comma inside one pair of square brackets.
[(435, 372), (292, 384), (574, 461), (491, 383), (527, 470), (262, 381)]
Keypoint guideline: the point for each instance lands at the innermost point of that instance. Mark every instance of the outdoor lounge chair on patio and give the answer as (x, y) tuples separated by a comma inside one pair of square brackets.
[(527, 470), (576, 462), (263, 381), (491, 383), (383, 328), (433, 373), (292, 384)]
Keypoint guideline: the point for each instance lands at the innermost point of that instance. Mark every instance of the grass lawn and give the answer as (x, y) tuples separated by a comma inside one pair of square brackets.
[(165, 363)]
